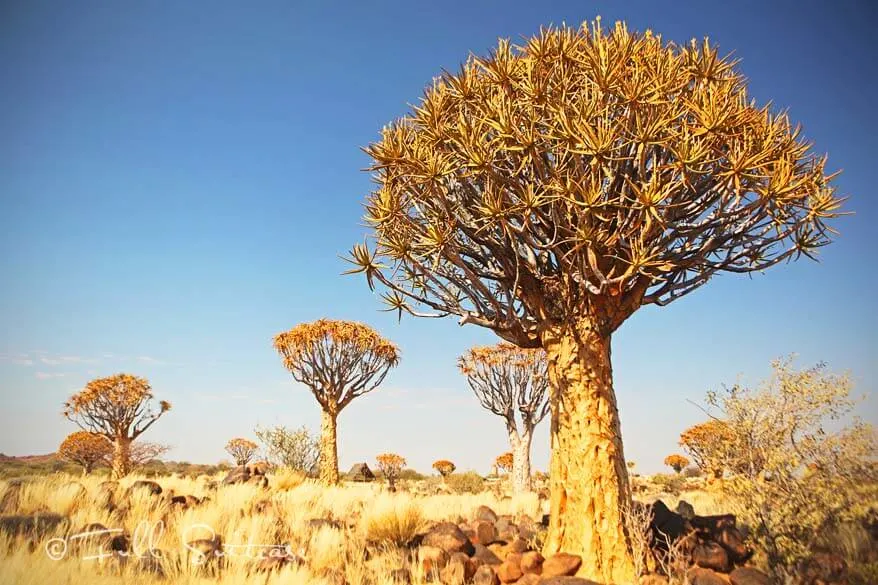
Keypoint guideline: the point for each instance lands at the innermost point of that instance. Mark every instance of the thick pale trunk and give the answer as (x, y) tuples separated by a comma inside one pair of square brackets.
[(328, 449), (520, 461), (121, 461), (588, 480)]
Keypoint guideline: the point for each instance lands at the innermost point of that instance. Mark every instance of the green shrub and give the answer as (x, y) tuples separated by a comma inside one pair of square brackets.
[(669, 483), (465, 483)]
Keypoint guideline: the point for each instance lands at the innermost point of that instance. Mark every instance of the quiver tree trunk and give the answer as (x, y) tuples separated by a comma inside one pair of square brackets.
[(328, 449), (121, 457), (588, 479), (521, 460)]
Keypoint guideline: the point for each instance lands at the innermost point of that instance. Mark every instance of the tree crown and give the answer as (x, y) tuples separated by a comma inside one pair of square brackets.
[(444, 466), (504, 461), (85, 448), (508, 379), (587, 171), (337, 360), (118, 405)]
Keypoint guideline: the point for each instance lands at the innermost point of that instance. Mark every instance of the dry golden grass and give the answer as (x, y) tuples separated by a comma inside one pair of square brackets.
[(246, 517)]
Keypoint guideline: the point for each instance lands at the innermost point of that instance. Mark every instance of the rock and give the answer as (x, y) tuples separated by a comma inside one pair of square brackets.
[(499, 550), (485, 532), (486, 556), (701, 576), (143, 486), (567, 580), (401, 576), (457, 571), (431, 559), (733, 541), (685, 509), (450, 538), (544, 521), (528, 579), (821, 568), (487, 514), (561, 564), (485, 575), (258, 468), (509, 571), (258, 480), (34, 526), (518, 545), (749, 576), (653, 579), (710, 555), (237, 475), (532, 562)]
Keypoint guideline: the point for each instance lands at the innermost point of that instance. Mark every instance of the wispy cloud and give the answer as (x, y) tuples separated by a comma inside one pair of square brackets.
[(49, 375), (150, 360), (19, 359)]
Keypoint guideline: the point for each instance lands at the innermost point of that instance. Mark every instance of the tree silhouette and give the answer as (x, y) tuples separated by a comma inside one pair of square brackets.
[(551, 189), (390, 465), (444, 467), (338, 361), (119, 408), (508, 380), (676, 462)]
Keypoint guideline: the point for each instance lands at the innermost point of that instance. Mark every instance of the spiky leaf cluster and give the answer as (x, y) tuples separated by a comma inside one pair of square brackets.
[(444, 467), (85, 448), (587, 171)]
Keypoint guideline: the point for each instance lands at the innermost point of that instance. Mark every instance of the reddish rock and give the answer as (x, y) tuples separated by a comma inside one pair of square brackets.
[(499, 550), (561, 564), (486, 513), (702, 576), (485, 532), (532, 562), (450, 538), (567, 580), (509, 572), (749, 576), (485, 575), (486, 556), (431, 559), (528, 579)]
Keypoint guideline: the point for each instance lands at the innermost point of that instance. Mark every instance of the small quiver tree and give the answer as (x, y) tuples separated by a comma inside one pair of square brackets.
[(551, 189), (119, 408), (676, 462), (241, 450), (444, 467), (390, 465), (505, 461), (512, 383), (86, 449), (707, 444), (338, 361)]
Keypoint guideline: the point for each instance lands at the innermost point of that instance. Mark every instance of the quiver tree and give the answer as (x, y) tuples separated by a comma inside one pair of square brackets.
[(119, 408), (86, 449), (676, 462), (242, 450), (705, 442), (508, 380), (142, 452), (390, 465), (444, 467), (338, 361), (505, 461), (551, 189)]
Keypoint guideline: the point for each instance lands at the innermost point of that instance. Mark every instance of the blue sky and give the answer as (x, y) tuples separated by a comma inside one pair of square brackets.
[(179, 179)]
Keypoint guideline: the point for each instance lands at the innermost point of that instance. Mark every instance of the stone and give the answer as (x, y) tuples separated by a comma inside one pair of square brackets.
[(487, 514), (710, 555), (528, 579), (653, 579), (532, 562), (567, 580), (749, 576), (450, 538), (499, 550), (485, 532), (518, 545), (509, 572), (685, 509), (431, 559), (454, 573), (702, 576), (486, 556), (485, 575), (821, 568), (561, 564)]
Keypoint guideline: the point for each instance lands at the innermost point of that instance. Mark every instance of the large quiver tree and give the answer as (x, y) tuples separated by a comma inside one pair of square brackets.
[(508, 380), (550, 190), (338, 361), (119, 408)]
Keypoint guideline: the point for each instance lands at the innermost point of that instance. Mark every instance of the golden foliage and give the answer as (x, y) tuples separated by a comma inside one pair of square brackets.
[(115, 406), (390, 462), (444, 467), (676, 462), (242, 450), (501, 355), (85, 448), (504, 461), (700, 442), (337, 360), (586, 169)]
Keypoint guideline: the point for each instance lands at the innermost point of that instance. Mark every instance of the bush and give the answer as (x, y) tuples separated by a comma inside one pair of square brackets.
[(671, 484), (797, 472), (466, 483), (296, 449)]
